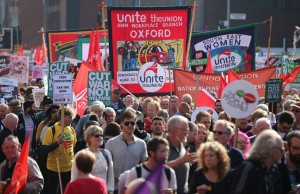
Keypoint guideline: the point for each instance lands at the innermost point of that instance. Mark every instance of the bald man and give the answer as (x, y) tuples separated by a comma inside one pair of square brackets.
[(10, 124)]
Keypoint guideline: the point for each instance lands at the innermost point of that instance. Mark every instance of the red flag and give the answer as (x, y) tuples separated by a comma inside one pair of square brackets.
[(232, 76), (91, 47), (290, 77), (205, 99), (43, 55), (21, 53), (114, 85), (209, 68), (37, 57), (80, 87), (19, 177), (96, 60), (223, 84)]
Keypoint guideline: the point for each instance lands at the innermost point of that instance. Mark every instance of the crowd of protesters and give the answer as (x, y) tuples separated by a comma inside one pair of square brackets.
[(113, 149)]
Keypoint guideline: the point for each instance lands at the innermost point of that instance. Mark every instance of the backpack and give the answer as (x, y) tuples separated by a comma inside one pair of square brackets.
[(105, 156), (138, 169)]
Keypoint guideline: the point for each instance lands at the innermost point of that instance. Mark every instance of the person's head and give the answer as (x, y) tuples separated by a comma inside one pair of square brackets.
[(158, 149), (164, 103), (87, 110), (128, 101), (202, 134), (15, 106), (136, 104), (267, 148), (296, 109), (85, 161), (173, 102), (224, 115), (4, 110), (263, 107), (158, 126), (68, 114), (293, 91), (262, 124), (11, 121), (29, 107), (184, 108), (258, 114), (203, 117), (116, 95), (109, 115), (93, 136), (90, 122), (145, 103), (242, 123), (112, 130), (128, 122), (22, 91), (187, 98), (287, 105), (243, 142), (28, 93), (218, 105), (39, 82), (213, 155), (97, 108), (47, 101), (52, 112), (222, 132), (193, 129), (11, 147), (286, 121), (293, 142), (164, 114), (152, 109), (178, 128)]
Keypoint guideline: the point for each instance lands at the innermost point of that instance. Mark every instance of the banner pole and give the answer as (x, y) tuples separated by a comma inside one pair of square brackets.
[(170, 79), (128, 91), (269, 41), (190, 35), (62, 124), (42, 32), (104, 34), (196, 91)]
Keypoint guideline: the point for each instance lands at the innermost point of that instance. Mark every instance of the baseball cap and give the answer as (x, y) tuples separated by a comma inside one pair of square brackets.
[(118, 90)]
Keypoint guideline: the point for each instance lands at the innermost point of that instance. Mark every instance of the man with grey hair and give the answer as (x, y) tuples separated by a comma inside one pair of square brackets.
[(187, 98), (259, 174), (179, 157), (222, 133), (260, 125)]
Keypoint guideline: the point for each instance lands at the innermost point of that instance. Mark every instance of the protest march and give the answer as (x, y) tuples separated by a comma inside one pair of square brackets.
[(144, 104)]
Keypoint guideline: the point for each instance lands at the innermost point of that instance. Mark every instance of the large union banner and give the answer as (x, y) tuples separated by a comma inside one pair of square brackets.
[(230, 48), (144, 43)]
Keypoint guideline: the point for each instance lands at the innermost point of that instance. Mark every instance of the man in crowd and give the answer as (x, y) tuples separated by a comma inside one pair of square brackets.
[(218, 105), (158, 126), (285, 123), (4, 110), (117, 103), (45, 104), (15, 106), (260, 125), (39, 82), (173, 105)]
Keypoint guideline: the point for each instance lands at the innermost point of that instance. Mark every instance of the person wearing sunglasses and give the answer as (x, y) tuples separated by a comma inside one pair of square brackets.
[(93, 135), (126, 149), (222, 133)]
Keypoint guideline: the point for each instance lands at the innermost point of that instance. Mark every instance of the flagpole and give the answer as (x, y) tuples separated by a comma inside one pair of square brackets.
[(190, 34), (62, 124), (196, 91), (104, 34), (42, 32), (269, 41), (128, 91), (59, 176), (170, 79)]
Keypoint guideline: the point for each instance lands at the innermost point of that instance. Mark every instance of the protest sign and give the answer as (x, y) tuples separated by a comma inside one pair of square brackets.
[(19, 68), (4, 66), (54, 69), (139, 36), (37, 72), (99, 87), (38, 96), (273, 90), (239, 99), (8, 89), (62, 89)]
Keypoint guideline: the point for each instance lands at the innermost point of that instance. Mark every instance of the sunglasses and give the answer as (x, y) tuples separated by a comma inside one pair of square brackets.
[(127, 123), (296, 111), (220, 132), (98, 135)]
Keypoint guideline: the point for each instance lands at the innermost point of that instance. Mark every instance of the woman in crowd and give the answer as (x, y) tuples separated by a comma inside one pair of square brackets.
[(214, 164), (112, 130), (242, 143), (103, 168), (86, 182), (152, 109)]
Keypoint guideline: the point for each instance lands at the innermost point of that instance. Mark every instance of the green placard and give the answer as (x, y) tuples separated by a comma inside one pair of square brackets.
[(273, 90), (99, 87), (56, 68)]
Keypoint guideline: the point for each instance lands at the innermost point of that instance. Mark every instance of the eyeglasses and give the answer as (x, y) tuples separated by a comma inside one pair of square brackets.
[(220, 132), (127, 123), (296, 111), (281, 149), (98, 135)]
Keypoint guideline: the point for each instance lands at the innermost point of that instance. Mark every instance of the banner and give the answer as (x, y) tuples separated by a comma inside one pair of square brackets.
[(185, 81), (63, 44), (4, 66), (56, 68), (229, 48), (19, 68), (99, 87), (8, 89), (142, 35), (273, 90)]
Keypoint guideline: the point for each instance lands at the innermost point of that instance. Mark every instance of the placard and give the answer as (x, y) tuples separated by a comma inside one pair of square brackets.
[(273, 90), (38, 96), (62, 89), (56, 68)]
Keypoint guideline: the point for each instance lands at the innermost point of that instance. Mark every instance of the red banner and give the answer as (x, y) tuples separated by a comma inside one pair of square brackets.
[(64, 43), (185, 81), (141, 35)]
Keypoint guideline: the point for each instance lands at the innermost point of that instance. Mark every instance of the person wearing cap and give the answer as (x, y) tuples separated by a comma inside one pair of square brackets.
[(45, 104), (15, 106), (117, 103), (296, 111), (27, 124)]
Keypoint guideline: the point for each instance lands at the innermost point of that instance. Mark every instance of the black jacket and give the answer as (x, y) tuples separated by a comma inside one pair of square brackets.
[(20, 132)]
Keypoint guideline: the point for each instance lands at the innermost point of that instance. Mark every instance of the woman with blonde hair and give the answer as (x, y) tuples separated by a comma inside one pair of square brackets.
[(103, 167), (214, 164)]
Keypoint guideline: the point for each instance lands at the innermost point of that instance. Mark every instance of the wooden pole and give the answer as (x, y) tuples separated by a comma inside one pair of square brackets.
[(269, 41), (62, 124), (170, 78), (104, 29), (42, 32), (190, 34), (236, 134), (59, 176), (196, 91)]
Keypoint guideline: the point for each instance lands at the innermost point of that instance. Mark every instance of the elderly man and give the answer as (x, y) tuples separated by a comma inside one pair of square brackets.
[(10, 125), (260, 125), (179, 157), (15, 106), (35, 180)]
